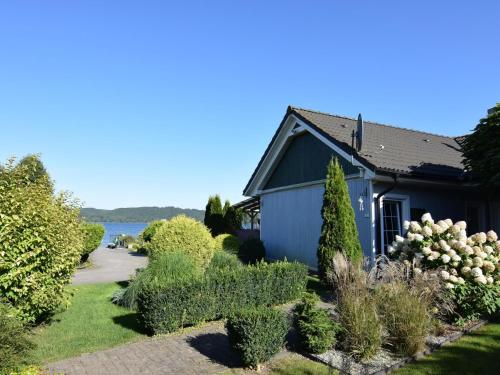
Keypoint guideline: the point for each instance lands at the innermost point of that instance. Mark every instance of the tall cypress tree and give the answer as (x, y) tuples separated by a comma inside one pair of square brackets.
[(208, 211), (338, 232), (227, 205)]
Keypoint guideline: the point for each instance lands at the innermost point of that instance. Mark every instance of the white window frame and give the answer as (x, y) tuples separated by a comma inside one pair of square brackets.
[(405, 214)]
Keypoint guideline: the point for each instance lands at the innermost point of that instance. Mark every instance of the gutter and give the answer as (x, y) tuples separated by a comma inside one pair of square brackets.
[(378, 216)]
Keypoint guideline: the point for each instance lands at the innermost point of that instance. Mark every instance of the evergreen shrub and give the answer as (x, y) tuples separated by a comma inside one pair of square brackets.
[(256, 334), (219, 293)]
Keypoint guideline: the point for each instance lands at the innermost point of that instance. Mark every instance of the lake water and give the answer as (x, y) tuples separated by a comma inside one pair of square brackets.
[(114, 229)]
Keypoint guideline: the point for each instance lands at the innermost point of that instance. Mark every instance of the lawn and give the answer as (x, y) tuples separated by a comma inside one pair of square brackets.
[(300, 366), (477, 353), (90, 323)]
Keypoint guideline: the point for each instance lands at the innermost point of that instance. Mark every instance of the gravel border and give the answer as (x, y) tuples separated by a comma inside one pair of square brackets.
[(384, 361)]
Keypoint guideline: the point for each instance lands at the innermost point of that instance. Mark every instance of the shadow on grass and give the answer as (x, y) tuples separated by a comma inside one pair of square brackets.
[(216, 347), (314, 285), (130, 321)]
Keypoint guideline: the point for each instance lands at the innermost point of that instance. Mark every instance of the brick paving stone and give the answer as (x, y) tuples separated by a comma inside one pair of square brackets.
[(202, 351)]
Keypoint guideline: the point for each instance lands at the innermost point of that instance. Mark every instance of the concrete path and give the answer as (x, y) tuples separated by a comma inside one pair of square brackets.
[(110, 265), (202, 351)]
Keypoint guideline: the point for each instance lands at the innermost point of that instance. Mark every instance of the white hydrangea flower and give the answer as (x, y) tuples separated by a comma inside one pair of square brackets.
[(455, 229), (445, 258), (497, 246), (436, 254), (419, 237), (453, 279), (465, 270), (415, 227), (391, 249), (451, 252), (427, 218), (481, 237), (443, 224), (477, 261), (456, 258), (449, 286), (436, 229), (489, 279), (461, 224), (480, 279), (453, 272), (491, 236), (476, 272), (461, 281), (468, 262), (488, 266), (488, 249), (426, 251), (426, 231), (399, 239), (445, 275), (417, 271), (449, 222), (406, 225)]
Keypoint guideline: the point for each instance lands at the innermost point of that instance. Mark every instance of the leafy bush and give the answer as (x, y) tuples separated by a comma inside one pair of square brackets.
[(405, 316), (163, 269), (315, 326), (475, 300), (257, 334), (15, 344), (219, 293), (252, 251), (224, 260), (227, 242), (149, 232), (40, 241), (92, 237), (182, 233)]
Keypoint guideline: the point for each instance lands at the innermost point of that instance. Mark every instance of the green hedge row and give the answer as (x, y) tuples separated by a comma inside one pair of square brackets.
[(219, 293)]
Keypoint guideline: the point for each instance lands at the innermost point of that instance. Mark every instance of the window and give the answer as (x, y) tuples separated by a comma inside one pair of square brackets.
[(392, 220)]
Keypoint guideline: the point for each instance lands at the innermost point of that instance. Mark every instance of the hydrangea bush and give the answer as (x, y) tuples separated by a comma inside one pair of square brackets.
[(446, 246)]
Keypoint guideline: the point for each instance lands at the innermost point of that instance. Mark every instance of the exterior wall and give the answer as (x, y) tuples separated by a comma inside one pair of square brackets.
[(442, 203), (305, 160), (291, 221)]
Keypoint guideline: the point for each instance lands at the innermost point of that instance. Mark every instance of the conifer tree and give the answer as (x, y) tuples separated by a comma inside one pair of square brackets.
[(338, 232)]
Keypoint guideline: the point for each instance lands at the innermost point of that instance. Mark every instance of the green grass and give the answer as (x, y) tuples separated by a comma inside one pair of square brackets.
[(90, 323), (300, 366), (477, 353)]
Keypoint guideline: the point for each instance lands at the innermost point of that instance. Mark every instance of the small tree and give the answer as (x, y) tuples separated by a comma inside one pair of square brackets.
[(233, 218), (338, 232), (214, 216), (481, 149)]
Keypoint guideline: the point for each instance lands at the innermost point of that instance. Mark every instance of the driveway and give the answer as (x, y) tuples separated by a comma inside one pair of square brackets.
[(110, 265)]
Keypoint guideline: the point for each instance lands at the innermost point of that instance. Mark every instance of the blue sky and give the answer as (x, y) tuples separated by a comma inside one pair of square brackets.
[(137, 103)]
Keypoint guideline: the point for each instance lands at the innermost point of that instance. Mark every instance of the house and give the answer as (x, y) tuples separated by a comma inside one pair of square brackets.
[(393, 174)]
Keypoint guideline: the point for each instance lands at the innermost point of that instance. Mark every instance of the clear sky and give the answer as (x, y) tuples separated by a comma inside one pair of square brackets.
[(136, 103)]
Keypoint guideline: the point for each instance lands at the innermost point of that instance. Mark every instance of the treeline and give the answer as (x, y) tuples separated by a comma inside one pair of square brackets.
[(138, 214)]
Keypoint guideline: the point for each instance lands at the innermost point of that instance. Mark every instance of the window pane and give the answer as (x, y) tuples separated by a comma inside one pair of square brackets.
[(392, 220)]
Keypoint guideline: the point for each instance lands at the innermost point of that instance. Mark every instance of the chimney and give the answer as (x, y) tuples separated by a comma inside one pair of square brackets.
[(360, 130)]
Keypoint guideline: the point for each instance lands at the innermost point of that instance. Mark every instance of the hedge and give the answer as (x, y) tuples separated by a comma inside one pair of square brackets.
[(219, 294), (92, 237)]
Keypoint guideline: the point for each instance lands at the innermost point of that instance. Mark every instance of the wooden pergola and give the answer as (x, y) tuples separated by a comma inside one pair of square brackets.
[(251, 207)]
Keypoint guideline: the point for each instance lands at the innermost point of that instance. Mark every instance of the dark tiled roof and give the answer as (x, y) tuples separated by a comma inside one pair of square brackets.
[(392, 149)]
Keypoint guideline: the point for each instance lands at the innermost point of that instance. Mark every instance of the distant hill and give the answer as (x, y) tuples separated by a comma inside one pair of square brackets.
[(137, 214)]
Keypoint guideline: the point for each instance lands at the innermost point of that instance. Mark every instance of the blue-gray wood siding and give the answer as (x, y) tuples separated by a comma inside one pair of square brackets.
[(305, 160), (442, 203), (291, 221)]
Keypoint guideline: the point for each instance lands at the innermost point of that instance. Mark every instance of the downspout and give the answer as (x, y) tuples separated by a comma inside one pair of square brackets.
[(377, 212)]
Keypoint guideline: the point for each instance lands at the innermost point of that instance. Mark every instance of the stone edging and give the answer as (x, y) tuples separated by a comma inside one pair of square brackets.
[(335, 359)]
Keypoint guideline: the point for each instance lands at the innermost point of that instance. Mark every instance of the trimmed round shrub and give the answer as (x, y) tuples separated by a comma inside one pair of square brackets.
[(227, 242), (92, 237), (149, 232), (161, 270), (252, 251), (15, 345), (315, 327), (182, 233), (40, 241), (257, 334)]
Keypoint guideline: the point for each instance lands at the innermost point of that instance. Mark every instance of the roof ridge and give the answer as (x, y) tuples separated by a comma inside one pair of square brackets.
[(376, 123)]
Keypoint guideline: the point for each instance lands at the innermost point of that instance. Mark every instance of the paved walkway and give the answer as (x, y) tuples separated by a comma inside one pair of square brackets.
[(110, 265), (202, 351)]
